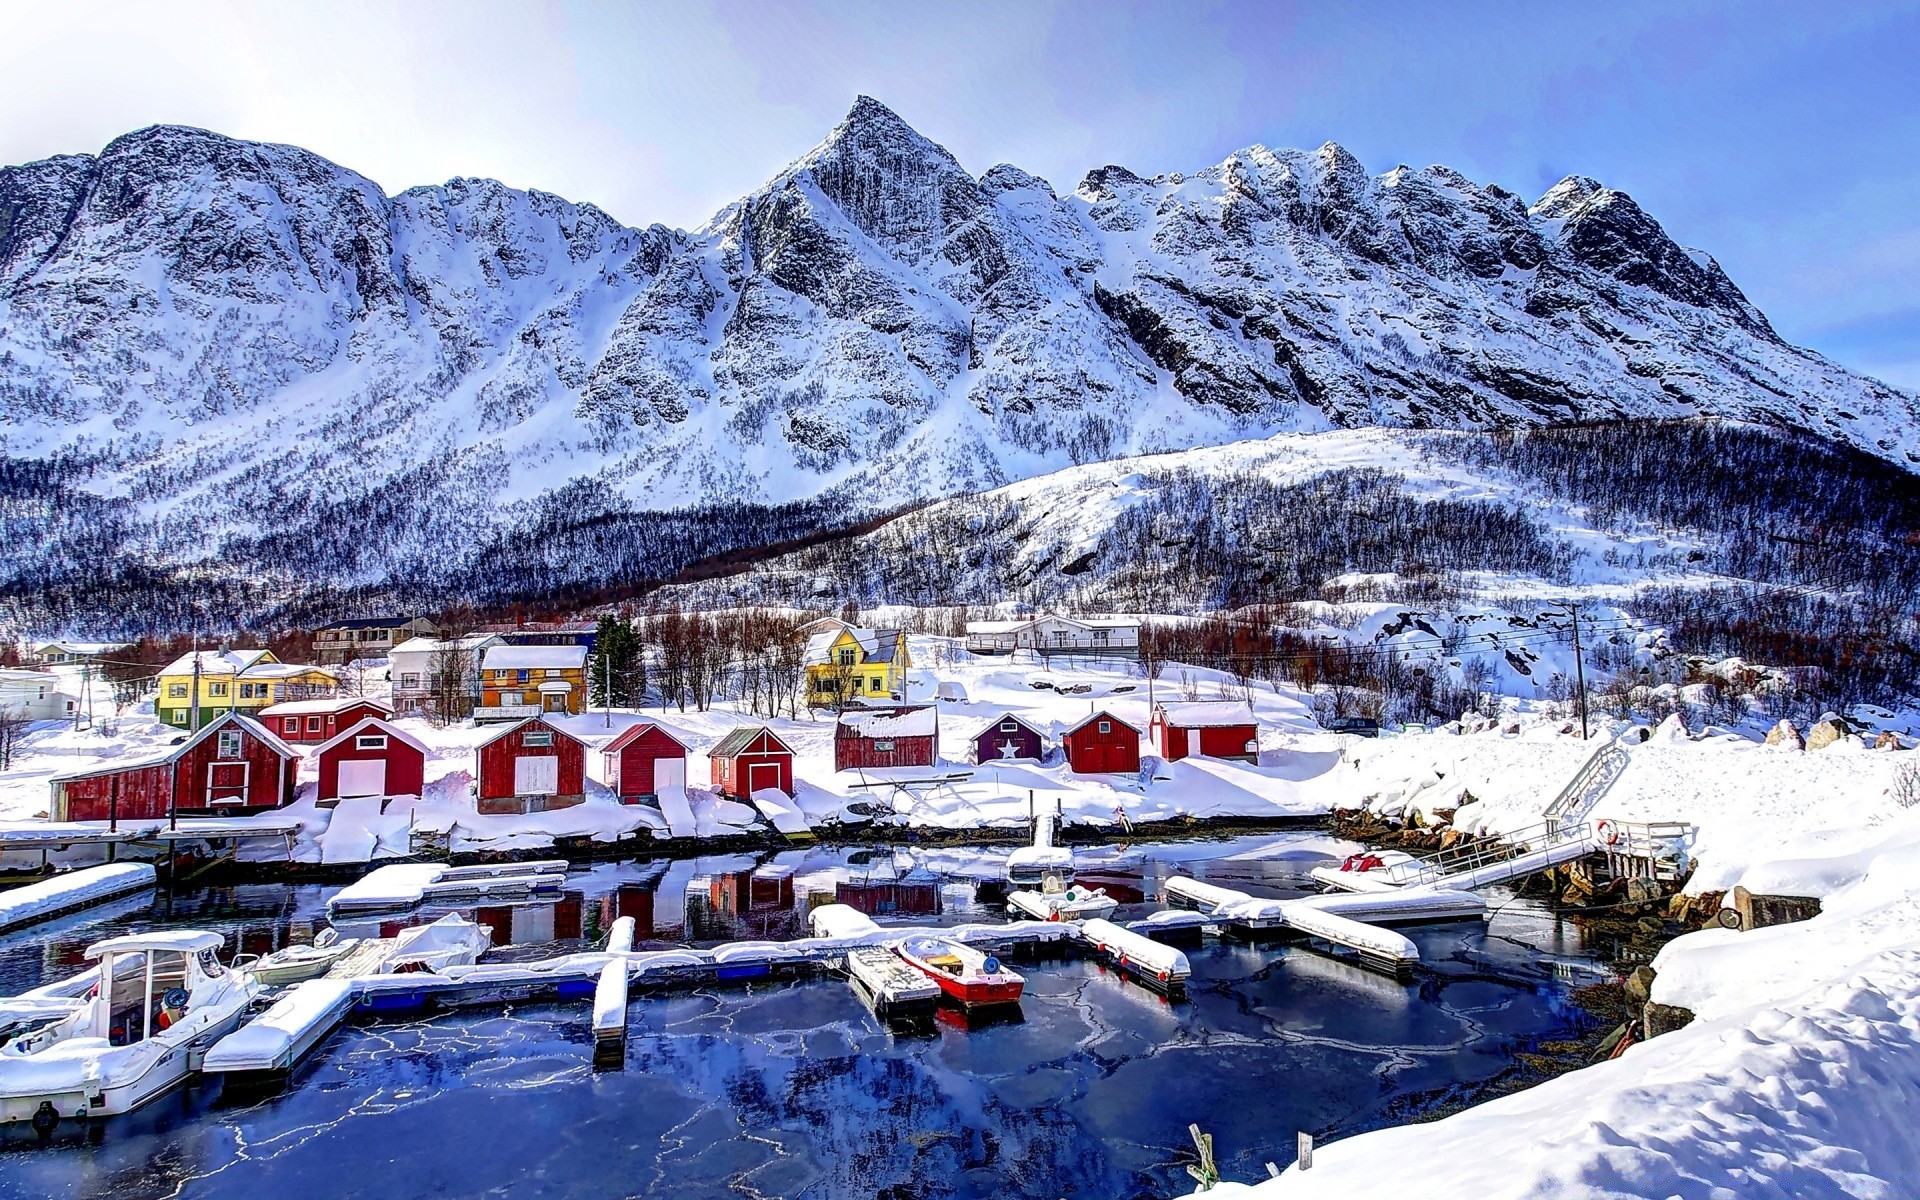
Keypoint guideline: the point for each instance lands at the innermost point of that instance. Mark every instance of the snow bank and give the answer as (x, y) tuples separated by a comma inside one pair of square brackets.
[(73, 890)]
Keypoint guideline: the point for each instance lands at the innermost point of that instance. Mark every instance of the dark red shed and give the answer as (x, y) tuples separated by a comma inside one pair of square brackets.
[(1102, 743), (311, 722), (374, 758), (531, 766), (232, 764), (1007, 737), (751, 759), (1222, 730), (643, 762), (898, 736)]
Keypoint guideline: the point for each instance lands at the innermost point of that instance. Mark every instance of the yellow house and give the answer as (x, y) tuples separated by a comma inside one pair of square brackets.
[(242, 681), (855, 664), (517, 682)]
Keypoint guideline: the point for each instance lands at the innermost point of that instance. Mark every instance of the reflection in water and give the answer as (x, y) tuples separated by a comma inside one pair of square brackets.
[(796, 1090)]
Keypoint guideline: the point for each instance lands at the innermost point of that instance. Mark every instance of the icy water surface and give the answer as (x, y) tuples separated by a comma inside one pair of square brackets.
[(796, 1090)]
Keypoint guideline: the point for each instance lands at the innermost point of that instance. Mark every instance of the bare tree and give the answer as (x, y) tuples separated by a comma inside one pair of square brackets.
[(13, 728)]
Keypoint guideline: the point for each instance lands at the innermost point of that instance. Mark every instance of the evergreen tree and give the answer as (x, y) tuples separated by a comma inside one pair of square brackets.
[(616, 675)]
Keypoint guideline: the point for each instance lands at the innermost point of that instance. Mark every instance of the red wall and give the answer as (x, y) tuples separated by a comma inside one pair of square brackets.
[(986, 746), (496, 762), (1216, 741), (144, 793), (852, 750), (730, 775), (1091, 752), (330, 723), (269, 776), (631, 769), (406, 767)]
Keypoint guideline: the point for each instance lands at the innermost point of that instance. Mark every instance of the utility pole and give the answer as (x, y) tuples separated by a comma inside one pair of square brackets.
[(606, 686), (193, 708), (1579, 669)]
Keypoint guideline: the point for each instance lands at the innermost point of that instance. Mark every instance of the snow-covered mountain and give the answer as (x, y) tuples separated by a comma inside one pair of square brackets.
[(246, 348)]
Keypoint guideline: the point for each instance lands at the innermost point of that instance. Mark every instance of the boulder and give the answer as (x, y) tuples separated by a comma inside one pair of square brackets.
[(1639, 985), (1827, 731), (1642, 891), (1665, 1018), (1784, 734), (1888, 740)]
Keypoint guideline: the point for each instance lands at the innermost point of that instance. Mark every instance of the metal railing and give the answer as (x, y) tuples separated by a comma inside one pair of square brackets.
[(1588, 784), (1437, 868)]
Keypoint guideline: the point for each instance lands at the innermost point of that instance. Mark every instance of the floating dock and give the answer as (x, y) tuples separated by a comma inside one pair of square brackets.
[(406, 885), (1155, 964), (72, 891), (1340, 920)]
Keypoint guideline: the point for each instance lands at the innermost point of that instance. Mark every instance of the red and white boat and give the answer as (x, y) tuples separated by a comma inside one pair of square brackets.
[(967, 975)]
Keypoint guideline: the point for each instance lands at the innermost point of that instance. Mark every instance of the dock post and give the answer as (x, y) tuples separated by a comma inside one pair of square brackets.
[(610, 1017)]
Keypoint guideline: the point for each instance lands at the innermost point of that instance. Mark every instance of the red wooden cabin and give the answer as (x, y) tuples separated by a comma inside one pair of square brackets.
[(643, 762), (311, 722), (531, 766), (374, 758), (1102, 744), (1222, 730), (899, 736), (751, 759), (1007, 738), (233, 765)]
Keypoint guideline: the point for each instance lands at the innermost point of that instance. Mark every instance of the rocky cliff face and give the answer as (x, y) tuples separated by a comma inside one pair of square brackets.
[(249, 340)]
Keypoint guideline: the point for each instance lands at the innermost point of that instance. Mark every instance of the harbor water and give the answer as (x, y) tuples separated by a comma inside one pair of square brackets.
[(794, 1089)]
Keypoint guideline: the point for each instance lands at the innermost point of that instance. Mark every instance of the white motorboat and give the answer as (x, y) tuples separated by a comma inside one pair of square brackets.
[(1055, 902), (452, 941), (165, 998), (295, 963)]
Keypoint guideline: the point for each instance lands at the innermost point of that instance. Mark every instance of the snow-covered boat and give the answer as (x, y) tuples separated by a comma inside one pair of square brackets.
[(1065, 904), (452, 941), (165, 998), (295, 963), (965, 974)]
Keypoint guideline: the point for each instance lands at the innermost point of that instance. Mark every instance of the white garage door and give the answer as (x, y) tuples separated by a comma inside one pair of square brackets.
[(363, 777), (536, 776)]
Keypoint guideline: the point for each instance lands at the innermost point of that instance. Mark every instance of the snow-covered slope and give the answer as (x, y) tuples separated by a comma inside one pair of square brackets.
[(196, 321)]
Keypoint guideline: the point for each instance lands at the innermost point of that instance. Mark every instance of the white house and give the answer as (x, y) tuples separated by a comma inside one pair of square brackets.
[(1117, 637), (35, 695), (411, 666), (58, 653)]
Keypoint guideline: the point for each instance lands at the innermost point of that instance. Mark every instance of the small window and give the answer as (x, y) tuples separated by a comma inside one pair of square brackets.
[(292, 724), (216, 689), (179, 716), (876, 683), (230, 743), (409, 679), (370, 741), (177, 691), (846, 657), (313, 724), (522, 676), (884, 747), (537, 737), (1009, 726), (1106, 727)]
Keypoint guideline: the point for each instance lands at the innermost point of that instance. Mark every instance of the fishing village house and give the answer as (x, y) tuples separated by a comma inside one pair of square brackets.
[(1007, 738), (233, 764), (310, 722), (236, 681), (35, 695), (525, 681), (372, 758), (530, 766), (1221, 729), (57, 654), (1094, 637), (903, 736), (368, 637), (850, 664), (1102, 744), (438, 676), (749, 759), (642, 763)]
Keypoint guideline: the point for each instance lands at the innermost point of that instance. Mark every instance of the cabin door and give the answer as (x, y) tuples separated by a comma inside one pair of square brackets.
[(363, 777), (227, 783), (670, 776), (763, 777), (536, 776), (1193, 742), (554, 702)]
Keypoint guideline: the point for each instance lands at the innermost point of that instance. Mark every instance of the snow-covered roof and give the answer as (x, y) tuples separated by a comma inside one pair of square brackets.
[(214, 662), (876, 645), (526, 658), (994, 627), (517, 726), (1209, 715), (298, 708), (891, 722), (370, 623), (986, 627), (187, 941), (430, 645), (372, 725), (79, 647), (251, 726), (976, 728), (1101, 716), (633, 732)]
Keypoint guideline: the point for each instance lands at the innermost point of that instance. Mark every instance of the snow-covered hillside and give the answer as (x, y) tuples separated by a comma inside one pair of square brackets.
[(186, 319)]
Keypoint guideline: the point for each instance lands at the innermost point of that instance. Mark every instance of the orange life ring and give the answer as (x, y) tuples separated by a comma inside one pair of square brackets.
[(1609, 832)]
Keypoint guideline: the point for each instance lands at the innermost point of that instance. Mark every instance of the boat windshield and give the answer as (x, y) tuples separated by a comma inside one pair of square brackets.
[(143, 983)]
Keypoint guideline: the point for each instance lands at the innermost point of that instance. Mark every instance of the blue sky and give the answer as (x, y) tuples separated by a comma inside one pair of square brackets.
[(1784, 139)]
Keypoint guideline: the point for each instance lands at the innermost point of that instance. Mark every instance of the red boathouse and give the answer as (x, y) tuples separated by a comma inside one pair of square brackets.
[(310, 722), (1007, 738), (642, 763), (901, 736), (1102, 744), (1223, 730), (751, 759), (234, 764), (374, 758), (531, 766)]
